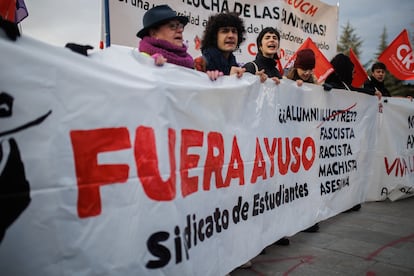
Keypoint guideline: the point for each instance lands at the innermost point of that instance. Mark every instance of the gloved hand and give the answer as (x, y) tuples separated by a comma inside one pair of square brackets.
[(80, 49), (10, 28)]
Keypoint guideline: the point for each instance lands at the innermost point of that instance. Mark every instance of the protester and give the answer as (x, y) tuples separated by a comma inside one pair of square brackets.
[(376, 82), (162, 38), (342, 76), (264, 65), (223, 35), (302, 70)]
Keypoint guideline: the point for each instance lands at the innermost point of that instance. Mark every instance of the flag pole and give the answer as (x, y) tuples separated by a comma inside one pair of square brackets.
[(102, 34), (107, 27)]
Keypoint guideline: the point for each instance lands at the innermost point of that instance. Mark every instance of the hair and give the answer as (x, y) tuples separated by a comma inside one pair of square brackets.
[(293, 74), (378, 65), (230, 19), (262, 34), (343, 67)]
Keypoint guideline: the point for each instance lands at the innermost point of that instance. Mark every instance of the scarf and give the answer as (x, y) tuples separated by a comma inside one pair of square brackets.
[(173, 54)]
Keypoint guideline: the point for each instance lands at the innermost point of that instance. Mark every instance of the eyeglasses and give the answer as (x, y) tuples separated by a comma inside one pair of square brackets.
[(175, 26)]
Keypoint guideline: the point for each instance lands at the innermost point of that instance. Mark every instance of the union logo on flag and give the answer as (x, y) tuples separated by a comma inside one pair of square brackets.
[(398, 57)]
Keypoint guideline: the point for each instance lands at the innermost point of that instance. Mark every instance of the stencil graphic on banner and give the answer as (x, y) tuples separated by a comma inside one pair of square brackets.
[(14, 187)]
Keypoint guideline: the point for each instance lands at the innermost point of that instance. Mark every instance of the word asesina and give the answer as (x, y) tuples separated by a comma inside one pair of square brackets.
[(288, 154)]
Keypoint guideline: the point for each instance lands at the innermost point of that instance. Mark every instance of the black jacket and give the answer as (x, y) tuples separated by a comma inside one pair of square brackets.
[(335, 81), (373, 83), (268, 64)]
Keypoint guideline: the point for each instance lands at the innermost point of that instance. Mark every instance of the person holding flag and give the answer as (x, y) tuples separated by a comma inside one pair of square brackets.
[(376, 82), (343, 74)]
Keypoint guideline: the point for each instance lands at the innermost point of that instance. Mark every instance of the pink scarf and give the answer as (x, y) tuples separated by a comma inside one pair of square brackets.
[(173, 54)]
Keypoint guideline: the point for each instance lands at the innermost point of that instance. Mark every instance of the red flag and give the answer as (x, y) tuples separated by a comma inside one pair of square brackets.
[(279, 66), (322, 67), (360, 75), (13, 10), (398, 57), (8, 10)]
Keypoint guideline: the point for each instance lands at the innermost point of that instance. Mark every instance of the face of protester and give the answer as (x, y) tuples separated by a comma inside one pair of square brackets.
[(379, 74), (305, 74), (227, 40), (171, 31), (270, 45)]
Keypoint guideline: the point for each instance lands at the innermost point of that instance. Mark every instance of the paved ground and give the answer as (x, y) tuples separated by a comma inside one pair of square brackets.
[(377, 240)]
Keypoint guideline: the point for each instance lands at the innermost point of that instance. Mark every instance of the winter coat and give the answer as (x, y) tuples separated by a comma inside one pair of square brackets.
[(268, 64), (373, 83)]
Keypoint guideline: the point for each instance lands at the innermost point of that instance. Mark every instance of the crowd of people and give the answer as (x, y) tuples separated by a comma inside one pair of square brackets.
[(162, 39)]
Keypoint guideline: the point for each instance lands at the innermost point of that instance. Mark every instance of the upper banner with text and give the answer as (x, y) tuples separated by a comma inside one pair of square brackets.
[(295, 20)]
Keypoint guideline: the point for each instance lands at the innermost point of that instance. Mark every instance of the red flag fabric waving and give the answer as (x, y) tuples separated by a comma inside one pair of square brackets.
[(13, 10), (8, 10), (322, 66), (360, 75), (398, 57)]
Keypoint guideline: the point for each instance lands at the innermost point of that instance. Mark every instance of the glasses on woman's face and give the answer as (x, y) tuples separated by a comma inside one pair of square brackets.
[(175, 25)]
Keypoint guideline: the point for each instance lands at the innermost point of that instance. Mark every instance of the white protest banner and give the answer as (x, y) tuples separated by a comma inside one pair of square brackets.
[(127, 168), (295, 20), (394, 156)]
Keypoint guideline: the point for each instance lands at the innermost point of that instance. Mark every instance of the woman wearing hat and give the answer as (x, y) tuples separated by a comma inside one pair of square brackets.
[(162, 37), (302, 70)]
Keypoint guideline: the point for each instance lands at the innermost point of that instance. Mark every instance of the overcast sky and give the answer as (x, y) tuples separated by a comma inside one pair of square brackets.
[(61, 21)]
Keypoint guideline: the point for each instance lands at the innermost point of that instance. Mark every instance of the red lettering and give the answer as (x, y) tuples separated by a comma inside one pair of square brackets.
[(312, 10), (250, 49), (87, 144), (308, 143), (147, 165), (302, 7), (259, 166), (189, 138), (214, 163), (296, 143), (388, 169), (235, 160), (283, 166), (271, 153)]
